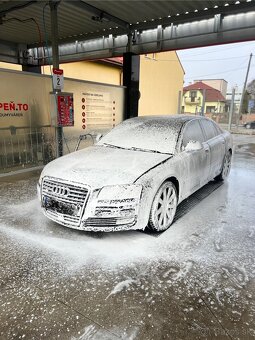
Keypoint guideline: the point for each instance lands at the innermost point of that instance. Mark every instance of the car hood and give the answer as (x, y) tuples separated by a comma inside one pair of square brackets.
[(98, 166)]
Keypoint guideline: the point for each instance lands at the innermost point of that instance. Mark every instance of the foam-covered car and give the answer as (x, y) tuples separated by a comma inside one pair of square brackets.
[(136, 175)]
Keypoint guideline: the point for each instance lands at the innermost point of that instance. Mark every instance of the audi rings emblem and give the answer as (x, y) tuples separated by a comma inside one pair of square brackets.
[(60, 191)]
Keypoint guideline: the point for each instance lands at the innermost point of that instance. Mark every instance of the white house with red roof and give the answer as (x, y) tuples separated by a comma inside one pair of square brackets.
[(193, 99)]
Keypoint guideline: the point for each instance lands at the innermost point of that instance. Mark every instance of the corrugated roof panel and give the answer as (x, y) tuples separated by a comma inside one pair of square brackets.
[(133, 11), (75, 22)]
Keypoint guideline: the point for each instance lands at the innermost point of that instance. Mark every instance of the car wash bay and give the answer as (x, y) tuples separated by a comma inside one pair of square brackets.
[(196, 280)]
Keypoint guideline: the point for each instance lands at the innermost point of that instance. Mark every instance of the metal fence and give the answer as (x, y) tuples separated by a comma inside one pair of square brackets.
[(24, 147)]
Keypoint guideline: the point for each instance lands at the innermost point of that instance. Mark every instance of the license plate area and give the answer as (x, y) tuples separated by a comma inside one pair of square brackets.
[(60, 207)]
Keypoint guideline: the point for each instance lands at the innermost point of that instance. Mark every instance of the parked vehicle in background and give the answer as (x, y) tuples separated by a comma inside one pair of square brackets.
[(136, 175), (250, 125)]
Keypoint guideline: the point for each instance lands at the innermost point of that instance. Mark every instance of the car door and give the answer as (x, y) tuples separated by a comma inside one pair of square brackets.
[(197, 162), (216, 144)]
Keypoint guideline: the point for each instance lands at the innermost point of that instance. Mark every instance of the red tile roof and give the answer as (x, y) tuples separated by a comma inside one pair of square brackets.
[(214, 96), (211, 94), (197, 86)]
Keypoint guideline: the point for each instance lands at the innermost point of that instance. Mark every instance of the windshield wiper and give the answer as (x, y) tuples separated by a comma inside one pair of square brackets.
[(148, 150), (133, 148), (114, 146)]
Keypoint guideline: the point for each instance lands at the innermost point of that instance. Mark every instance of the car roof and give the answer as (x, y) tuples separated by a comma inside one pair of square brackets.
[(177, 120), (176, 117)]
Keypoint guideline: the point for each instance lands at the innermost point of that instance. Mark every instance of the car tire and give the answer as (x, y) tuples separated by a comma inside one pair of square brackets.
[(248, 126), (163, 207), (225, 167)]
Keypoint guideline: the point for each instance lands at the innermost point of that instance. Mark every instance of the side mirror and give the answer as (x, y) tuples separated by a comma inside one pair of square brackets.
[(194, 145), (98, 137)]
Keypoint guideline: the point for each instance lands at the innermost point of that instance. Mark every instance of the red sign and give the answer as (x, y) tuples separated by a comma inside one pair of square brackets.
[(65, 110), (58, 79), (57, 71)]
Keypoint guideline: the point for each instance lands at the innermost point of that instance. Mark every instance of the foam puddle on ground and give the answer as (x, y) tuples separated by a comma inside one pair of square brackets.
[(188, 239)]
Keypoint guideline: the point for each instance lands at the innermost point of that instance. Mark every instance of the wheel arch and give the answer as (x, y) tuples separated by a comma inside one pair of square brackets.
[(175, 181)]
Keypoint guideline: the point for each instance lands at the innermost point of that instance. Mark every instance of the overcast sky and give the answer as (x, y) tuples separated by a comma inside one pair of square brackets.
[(227, 62)]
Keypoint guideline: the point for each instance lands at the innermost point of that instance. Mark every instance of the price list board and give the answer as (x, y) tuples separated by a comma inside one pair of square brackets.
[(98, 110)]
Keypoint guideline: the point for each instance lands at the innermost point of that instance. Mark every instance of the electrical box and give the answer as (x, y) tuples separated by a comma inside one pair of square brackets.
[(62, 109)]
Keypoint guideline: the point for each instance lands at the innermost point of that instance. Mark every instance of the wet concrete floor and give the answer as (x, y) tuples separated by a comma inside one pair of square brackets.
[(194, 281)]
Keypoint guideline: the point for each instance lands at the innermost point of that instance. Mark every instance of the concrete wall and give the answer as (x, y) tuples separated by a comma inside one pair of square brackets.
[(27, 113), (161, 79)]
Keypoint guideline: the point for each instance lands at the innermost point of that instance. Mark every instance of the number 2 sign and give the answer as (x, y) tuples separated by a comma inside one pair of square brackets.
[(58, 79)]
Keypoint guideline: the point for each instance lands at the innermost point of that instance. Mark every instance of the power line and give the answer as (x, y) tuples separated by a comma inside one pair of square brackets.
[(191, 60), (218, 59), (212, 74), (237, 68)]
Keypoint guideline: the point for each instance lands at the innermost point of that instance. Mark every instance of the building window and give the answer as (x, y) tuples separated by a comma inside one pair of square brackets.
[(210, 109), (193, 95)]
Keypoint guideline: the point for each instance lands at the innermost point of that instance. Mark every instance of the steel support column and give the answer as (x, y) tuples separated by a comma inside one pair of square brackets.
[(55, 62), (131, 74)]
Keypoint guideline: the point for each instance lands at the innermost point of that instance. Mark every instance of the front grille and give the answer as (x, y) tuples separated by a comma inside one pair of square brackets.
[(107, 222), (64, 202)]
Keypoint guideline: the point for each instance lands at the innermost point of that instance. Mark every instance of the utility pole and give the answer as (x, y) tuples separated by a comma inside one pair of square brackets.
[(179, 102), (203, 103), (243, 92), (231, 108), (55, 62)]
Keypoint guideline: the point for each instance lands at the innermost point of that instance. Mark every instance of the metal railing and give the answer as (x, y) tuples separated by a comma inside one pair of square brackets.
[(26, 146)]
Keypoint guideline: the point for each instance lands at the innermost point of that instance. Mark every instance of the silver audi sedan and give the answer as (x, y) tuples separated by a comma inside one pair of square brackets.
[(136, 175)]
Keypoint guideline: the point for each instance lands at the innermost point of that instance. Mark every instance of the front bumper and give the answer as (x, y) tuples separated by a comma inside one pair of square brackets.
[(92, 214)]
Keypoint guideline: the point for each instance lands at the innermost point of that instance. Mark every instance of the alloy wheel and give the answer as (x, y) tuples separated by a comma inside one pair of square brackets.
[(163, 207)]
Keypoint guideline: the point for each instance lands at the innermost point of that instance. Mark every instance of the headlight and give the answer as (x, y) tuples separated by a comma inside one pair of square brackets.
[(39, 184), (41, 176), (38, 187), (118, 201)]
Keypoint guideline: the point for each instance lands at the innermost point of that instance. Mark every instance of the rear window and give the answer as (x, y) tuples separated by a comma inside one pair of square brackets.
[(209, 128)]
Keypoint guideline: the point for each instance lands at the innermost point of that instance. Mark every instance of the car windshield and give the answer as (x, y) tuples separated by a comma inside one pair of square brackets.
[(150, 134)]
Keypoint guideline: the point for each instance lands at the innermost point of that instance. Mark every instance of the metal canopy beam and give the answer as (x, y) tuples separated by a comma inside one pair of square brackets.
[(216, 30), (99, 15)]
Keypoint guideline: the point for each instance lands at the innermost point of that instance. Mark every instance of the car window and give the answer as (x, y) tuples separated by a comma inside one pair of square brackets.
[(218, 129), (209, 129), (192, 132)]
